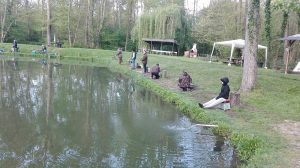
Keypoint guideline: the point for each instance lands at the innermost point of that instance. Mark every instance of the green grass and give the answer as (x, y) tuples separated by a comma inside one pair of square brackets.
[(249, 127)]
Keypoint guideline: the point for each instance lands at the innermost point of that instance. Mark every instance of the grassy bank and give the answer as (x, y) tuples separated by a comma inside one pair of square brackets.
[(251, 127)]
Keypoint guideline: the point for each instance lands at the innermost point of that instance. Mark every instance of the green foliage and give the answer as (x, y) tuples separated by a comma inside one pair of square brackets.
[(183, 35), (112, 38), (161, 23), (214, 26), (246, 145), (223, 129), (286, 6), (268, 22)]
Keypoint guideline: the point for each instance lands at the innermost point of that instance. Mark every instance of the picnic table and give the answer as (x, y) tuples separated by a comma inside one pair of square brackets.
[(164, 52), (234, 61)]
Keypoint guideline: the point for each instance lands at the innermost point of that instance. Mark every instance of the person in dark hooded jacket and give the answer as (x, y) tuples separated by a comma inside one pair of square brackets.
[(223, 95)]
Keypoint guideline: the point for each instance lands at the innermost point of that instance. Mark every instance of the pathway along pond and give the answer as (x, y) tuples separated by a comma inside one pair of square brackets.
[(81, 116)]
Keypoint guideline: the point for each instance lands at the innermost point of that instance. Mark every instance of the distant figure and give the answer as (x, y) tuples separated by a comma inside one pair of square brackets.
[(145, 60), (155, 70), (44, 49), (58, 44), (133, 58), (15, 46), (194, 50), (119, 55), (223, 95), (185, 81)]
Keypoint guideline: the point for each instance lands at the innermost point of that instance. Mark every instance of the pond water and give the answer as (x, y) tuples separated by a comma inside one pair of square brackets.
[(81, 116)]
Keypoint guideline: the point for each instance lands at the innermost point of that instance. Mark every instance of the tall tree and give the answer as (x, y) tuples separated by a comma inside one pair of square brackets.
[(49, 22), (251, 45), (268, 22), (130, 7), (7, 19), (287, 7)]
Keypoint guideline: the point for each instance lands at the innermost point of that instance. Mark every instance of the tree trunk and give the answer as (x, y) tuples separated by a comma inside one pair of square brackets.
[(28, 19), (129, 22), (119, 13), (268, 22), (48, 23), (298, 21), (88, 24), (251, 45), (3, 22), (245, 19), (69, 23), (241, 25), (86, 41), (102, 8)]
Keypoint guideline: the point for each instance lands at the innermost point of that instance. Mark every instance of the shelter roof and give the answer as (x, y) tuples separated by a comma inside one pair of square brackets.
[(293, 37), (239, 43), (163, 41)]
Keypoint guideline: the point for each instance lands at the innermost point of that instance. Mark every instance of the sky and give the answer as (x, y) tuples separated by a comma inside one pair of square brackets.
[(201, 4)]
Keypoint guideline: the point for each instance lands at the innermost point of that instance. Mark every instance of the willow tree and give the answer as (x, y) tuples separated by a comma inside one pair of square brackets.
[(160, 23), (251, 46)]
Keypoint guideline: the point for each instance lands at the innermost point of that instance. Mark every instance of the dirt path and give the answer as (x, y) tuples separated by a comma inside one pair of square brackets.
[(291, 132)]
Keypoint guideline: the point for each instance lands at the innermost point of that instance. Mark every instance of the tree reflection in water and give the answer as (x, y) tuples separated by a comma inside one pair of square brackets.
[(79, 116)]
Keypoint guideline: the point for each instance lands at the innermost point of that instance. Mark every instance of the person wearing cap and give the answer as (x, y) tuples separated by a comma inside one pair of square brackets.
[(155, 70), (223, 95)]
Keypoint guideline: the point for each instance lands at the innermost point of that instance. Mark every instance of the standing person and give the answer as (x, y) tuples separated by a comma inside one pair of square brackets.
[(119, 54), (155, 71), (223, 95), (133, 58), (15, 45), (145, 60), (185, 81)]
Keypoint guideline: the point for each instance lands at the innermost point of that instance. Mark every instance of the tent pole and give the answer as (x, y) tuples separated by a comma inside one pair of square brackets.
[(212, 52), (231, 53), (266, 58)]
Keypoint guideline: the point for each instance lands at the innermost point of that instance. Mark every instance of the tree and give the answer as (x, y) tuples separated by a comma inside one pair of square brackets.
[(251, 45), (48, 22), (287, 7), (268, 22), (130, 7), (7, 19)]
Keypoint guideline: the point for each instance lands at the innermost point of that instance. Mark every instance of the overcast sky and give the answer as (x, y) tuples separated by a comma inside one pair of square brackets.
[(201, 4)]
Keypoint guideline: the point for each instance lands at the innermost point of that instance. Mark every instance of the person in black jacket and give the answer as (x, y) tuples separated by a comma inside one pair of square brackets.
[(223, 95)]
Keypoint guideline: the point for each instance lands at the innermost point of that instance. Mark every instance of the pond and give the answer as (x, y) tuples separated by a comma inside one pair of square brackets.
[(82, 116)]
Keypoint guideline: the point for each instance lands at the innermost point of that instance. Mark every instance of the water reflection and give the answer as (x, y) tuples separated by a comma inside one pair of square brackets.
[(79, 116)]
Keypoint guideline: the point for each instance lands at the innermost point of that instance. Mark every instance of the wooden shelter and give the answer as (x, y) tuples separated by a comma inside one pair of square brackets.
[(156, 46)]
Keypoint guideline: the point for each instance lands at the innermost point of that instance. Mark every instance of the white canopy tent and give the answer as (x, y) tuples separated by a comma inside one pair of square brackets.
[(239, 43)]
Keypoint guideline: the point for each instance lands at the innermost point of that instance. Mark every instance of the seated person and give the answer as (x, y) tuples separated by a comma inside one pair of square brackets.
[(223, 95), (44, 49), (185, 81), (155, 70)]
